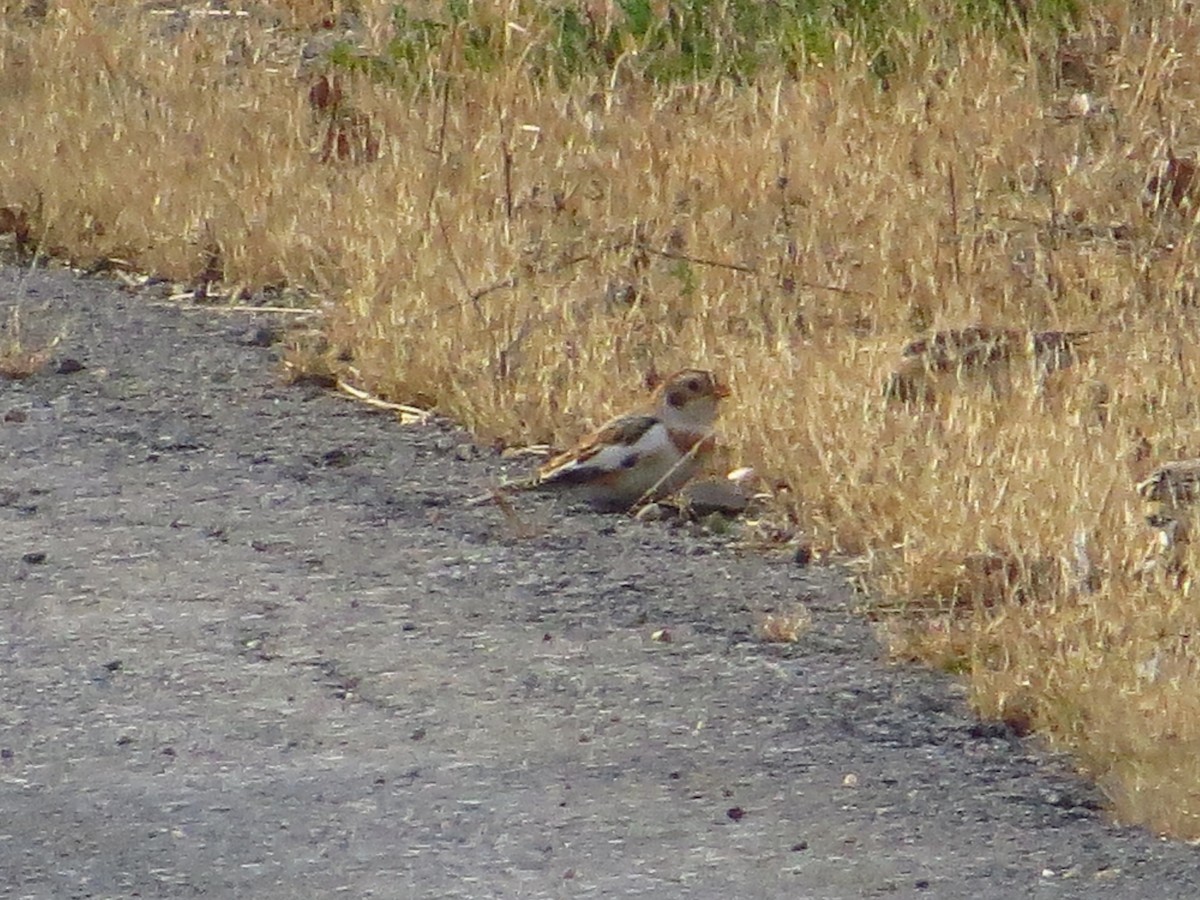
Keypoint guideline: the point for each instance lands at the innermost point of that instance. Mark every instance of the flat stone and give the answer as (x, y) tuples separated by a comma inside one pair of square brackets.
[(714, 495)]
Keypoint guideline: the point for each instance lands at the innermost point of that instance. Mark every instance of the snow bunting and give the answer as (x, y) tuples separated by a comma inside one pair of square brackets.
[(1171, 493), (981, 350), (641, 455), (1175, 484)]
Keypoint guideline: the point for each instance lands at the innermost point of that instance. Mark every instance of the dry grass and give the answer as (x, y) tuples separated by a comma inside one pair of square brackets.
[(522, 255)]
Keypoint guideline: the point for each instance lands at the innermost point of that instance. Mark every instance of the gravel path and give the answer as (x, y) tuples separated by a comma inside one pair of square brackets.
[(254, 644)]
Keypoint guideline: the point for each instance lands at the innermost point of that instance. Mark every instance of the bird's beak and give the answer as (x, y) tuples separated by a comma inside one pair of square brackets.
[(721, 391)]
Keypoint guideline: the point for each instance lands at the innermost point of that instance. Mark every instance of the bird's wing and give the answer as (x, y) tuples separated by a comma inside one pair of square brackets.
[(1173, 482), (613, 447)]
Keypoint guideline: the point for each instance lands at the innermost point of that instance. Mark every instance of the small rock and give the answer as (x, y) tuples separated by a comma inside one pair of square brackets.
[(714, 495), (804, 554), (175, 443), (16, 416), (260, 336), (336, 458), (466, 452), (68, 365), (746, 477), (736, 813), (34, 558)]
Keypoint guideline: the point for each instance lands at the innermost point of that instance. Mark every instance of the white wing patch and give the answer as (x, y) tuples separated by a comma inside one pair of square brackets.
[(614, 459)]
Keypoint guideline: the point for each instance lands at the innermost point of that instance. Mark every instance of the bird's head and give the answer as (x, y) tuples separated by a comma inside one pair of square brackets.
[(688, 399)]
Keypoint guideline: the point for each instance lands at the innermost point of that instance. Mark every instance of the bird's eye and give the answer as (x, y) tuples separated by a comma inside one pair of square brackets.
[(694, 385)]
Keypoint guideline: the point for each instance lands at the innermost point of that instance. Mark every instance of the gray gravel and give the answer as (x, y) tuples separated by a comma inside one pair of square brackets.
[(270, 652)]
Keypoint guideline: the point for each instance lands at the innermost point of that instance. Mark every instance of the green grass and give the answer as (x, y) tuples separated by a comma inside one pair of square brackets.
[(684, 41)]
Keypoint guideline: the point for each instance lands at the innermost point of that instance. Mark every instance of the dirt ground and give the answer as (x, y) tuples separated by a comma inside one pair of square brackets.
[(255, 644)]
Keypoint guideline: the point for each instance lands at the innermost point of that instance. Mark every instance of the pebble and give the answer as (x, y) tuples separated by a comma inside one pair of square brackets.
[(714, 495)]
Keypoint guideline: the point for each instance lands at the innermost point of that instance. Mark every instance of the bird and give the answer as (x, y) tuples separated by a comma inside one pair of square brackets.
[(1171, 493), (957, 352), (641, 455), (1174, 483), (1168, 491)]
